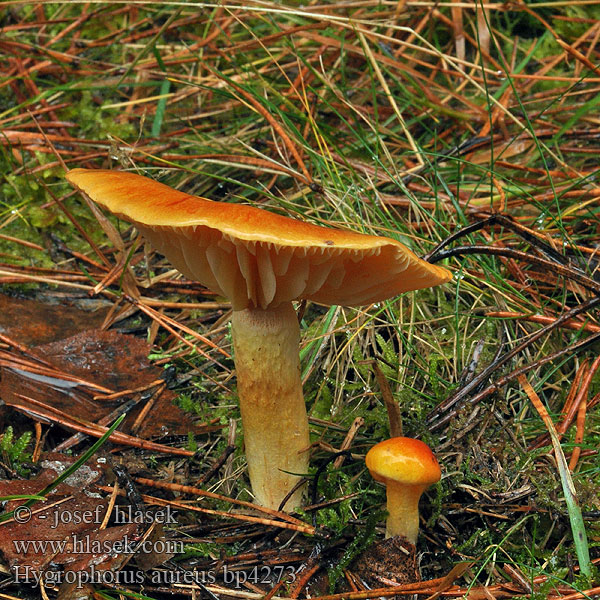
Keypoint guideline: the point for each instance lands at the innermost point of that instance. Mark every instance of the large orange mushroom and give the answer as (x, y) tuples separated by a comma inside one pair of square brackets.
[(262, 262)]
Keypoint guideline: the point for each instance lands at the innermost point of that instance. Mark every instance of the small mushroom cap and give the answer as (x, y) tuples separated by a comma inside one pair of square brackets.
[(254, 257), (403, 460)]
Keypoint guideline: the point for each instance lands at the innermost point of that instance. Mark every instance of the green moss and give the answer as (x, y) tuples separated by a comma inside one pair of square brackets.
[(199, 404), (334, 483), (14, 450), (357, 545), (207, 550), (19, 191), (321, 406), (100, 124), (571, 30)]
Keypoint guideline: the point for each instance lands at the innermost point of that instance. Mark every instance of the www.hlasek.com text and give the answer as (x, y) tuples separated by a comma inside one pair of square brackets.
[(87, 544)]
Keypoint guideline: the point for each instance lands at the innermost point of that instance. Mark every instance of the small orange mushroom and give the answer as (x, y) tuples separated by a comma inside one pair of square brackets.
[(262, 262), (407, 467)]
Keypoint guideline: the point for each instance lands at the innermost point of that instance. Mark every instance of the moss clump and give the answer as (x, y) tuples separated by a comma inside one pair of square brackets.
[(14, 450)]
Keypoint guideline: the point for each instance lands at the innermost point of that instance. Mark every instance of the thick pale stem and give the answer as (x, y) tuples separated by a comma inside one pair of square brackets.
[(403, 509), (266, 345)]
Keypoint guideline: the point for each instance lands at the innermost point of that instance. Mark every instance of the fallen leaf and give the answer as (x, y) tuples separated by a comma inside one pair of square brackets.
[(87, 364), (30, 322)]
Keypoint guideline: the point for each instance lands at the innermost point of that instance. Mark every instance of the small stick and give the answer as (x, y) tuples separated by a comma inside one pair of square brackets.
[(583, 391), (304, 528), (356, 425), (48, 413), (150, 402), (303, 580), (579, 434), (542, 440), (393, 410), (575, 325), (188, 489)]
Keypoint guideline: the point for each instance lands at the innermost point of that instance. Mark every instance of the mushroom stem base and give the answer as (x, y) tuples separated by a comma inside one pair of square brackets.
[(266, 345)]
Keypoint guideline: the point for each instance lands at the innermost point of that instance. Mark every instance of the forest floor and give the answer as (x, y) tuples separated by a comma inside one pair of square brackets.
[(469, 131)]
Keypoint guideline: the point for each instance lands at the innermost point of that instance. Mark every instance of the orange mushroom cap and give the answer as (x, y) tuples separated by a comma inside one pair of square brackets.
[(254, 257), (403, 460)]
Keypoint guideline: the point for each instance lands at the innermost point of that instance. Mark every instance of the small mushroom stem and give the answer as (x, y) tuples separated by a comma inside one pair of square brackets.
[(403, 510), (266, 346)]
